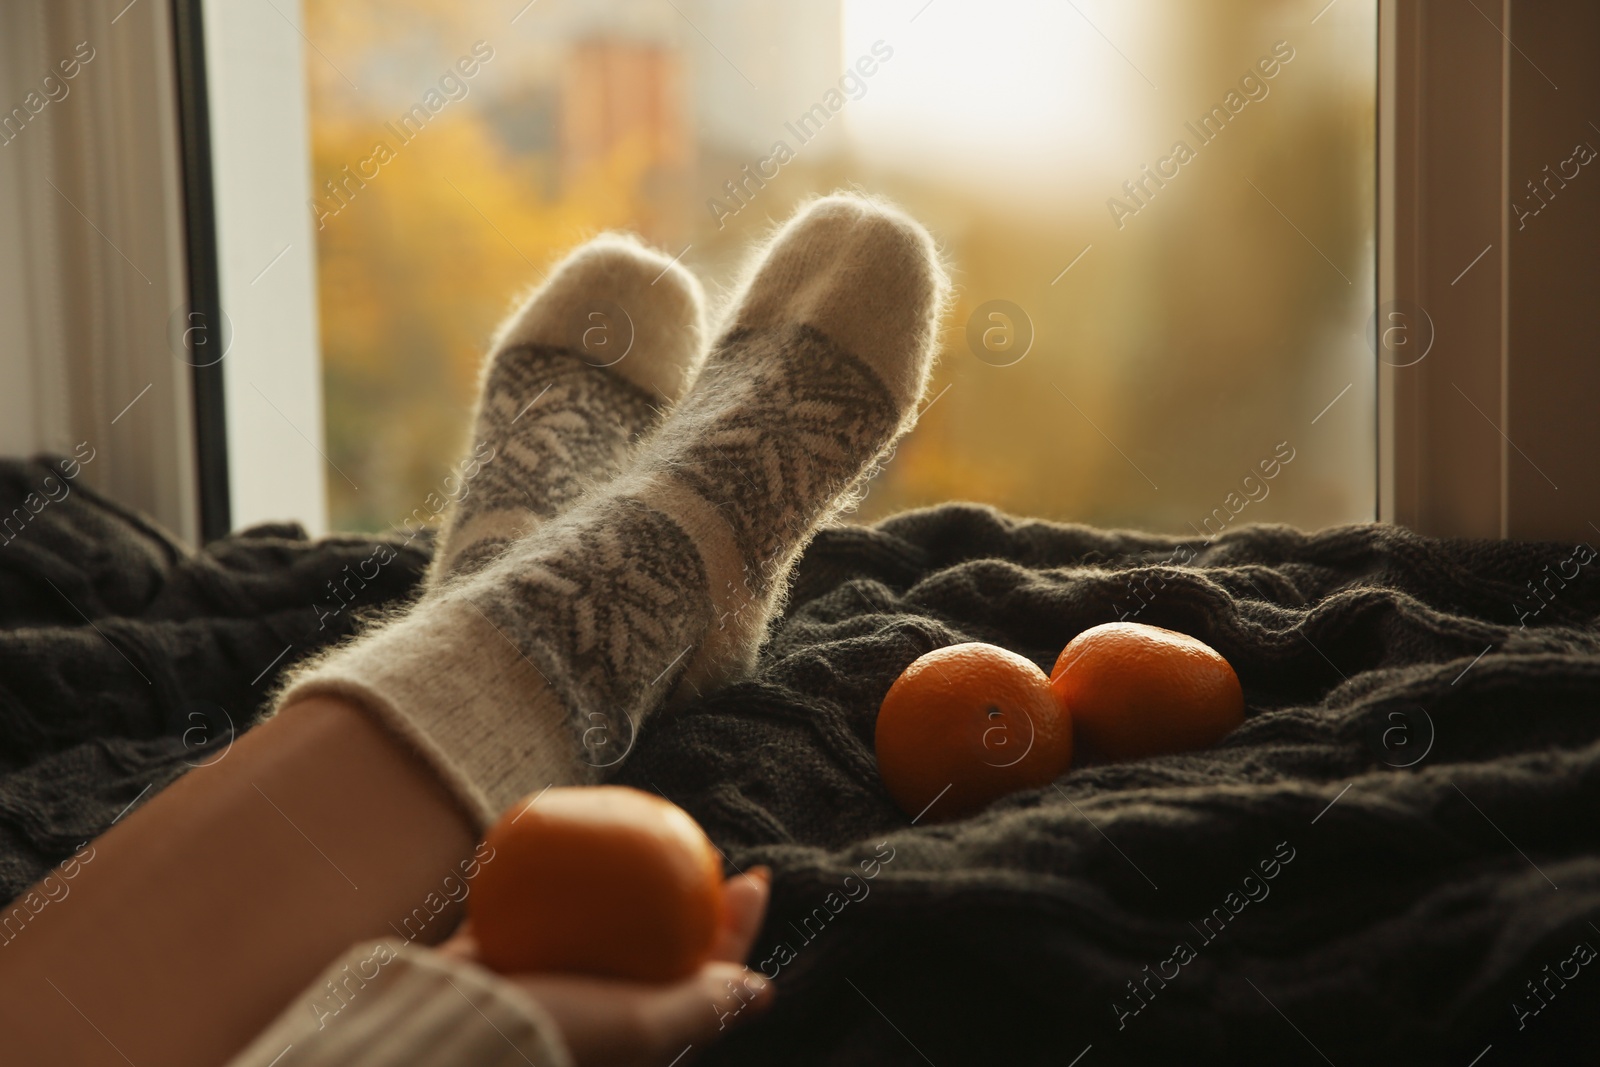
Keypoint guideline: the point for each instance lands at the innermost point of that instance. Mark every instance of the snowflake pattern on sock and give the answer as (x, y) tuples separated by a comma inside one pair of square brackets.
[(787, 420), (559, 426)]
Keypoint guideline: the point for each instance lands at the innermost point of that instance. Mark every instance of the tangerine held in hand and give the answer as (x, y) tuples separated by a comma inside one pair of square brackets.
[(1135, 690), (963, 726), (599, 880)]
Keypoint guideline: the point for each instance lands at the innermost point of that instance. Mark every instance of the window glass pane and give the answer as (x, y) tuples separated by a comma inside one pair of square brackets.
[(1160, 216)]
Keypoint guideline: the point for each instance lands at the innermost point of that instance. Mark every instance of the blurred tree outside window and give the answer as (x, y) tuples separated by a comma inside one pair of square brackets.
[(1159, 214)]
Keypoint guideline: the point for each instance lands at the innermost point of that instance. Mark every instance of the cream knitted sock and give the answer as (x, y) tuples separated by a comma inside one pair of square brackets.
[(575, 378), (539, 668)]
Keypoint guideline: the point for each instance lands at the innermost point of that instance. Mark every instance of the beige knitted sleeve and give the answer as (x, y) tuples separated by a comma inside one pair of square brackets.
[(385, 1003)]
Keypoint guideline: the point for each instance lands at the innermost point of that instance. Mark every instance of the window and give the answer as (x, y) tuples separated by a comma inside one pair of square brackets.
[(1161, 213), (1145, 329)]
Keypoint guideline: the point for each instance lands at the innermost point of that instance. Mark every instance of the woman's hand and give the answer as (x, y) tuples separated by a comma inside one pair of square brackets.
[(610, 1023)]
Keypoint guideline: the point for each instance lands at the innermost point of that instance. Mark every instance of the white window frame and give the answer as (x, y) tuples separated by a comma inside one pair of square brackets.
[(266, 263)]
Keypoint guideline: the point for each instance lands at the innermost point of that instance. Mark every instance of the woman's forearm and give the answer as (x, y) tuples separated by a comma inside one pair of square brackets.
[(204, 911)]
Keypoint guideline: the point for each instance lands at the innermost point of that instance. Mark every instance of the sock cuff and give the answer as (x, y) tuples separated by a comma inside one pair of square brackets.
[(460, 697)]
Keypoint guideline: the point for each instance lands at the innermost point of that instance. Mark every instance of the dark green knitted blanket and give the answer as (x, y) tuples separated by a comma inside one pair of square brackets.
[(1395, 860)]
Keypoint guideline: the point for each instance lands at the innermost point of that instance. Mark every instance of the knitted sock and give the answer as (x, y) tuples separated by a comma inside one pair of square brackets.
[(539, 668), (574, 379)]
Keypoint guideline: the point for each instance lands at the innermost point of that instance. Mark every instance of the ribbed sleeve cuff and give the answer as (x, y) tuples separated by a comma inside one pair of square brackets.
[(385, 1003)]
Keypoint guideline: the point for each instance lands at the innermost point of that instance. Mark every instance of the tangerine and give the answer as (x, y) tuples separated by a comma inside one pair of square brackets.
[(599, 880), (963, 726), (1135, 690)]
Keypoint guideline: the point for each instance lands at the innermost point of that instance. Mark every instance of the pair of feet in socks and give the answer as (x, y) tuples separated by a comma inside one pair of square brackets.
[(633, 528)]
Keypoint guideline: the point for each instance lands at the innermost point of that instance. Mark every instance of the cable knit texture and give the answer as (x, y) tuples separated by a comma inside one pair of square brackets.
[(1403, 931), (1403, 918)]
